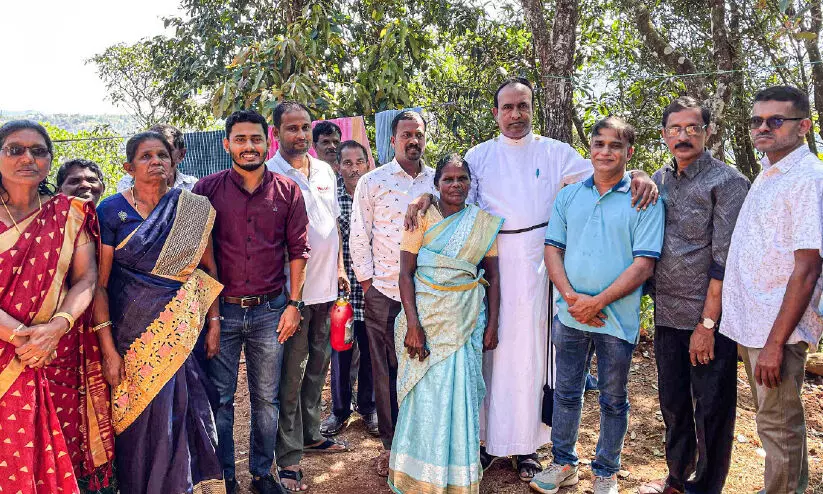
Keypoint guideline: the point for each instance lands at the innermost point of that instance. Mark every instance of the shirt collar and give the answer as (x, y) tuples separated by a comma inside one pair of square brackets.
[(516, 142), (624, 185), (235, 177), (395, 169), (788, 161), (693, 169), (182, 178)]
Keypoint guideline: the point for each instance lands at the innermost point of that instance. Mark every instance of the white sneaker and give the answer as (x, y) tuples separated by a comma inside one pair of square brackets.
[(555, 476), (605, 485)]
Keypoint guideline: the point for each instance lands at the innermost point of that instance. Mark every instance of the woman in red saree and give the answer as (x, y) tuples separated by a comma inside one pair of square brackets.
[(53, 420)]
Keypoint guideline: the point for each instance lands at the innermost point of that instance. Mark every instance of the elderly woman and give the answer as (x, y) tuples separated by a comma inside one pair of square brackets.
[(54, 421), (156, 301), (444, 329)]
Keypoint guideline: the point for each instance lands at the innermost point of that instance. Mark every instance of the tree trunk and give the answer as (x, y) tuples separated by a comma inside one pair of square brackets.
[(739, 111), (724, 57), (556, 56), (813, 50)]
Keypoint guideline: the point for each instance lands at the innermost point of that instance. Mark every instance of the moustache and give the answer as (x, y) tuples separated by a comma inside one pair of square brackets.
[(412, 146), (683, 145)]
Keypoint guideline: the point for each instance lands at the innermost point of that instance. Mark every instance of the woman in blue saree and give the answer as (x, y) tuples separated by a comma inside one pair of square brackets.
[(440, 337), (152, 302)]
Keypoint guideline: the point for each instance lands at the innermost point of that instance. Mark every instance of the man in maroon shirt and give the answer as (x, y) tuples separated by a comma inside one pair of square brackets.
[(261, 222)]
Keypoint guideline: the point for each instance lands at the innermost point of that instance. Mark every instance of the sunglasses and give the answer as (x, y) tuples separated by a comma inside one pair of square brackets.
[(772, 122), (691, 130), (16, 151)]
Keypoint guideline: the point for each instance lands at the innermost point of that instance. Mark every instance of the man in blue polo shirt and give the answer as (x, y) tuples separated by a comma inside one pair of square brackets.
[(599, 251)]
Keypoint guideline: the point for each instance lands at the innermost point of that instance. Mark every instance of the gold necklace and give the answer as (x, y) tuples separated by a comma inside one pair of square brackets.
[(40, 208)]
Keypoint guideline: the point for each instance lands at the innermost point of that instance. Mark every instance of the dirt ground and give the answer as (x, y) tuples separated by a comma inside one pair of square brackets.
[(643, 454)]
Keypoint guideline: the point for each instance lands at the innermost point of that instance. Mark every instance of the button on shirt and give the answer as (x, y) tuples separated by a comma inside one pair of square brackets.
[(781, 214), (255, 233), (702, 203), (320, 194), (380, 202), (344, 221), (601, 236)]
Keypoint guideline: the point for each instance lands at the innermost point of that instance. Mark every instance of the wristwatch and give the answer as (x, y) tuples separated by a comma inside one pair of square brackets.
[(298, 304), (708, 323)]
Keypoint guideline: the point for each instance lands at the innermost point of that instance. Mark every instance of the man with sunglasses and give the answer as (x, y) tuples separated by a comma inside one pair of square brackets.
[(774, 282), (696, 367)]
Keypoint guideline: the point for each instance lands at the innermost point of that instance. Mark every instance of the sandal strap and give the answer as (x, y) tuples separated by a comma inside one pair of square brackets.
[(296, 475)]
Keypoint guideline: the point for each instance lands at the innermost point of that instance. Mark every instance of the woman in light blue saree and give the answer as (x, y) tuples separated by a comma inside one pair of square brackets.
[(440, 337)]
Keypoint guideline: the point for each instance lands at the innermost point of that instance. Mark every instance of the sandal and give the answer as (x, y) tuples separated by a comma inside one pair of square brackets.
[(329, 445), (527, 466), (487, 460), (293, 475), (657, 487)]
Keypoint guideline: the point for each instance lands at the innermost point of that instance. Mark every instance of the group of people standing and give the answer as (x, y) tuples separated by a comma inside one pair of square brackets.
[(122, 326)]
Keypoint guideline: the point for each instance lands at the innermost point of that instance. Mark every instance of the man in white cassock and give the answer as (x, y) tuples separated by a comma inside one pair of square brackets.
[(516, 176)]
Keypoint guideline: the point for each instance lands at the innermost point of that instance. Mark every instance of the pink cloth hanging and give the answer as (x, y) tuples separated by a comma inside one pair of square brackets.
[(352, 128)]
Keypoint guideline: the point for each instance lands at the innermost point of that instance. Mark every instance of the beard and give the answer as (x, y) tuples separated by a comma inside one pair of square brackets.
[(249, 167)]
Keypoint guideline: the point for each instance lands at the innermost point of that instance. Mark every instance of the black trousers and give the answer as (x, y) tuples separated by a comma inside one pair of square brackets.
[(698, 406), (341, 382), (380, 314)]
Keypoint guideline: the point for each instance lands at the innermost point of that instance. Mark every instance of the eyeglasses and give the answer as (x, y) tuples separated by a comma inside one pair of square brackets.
[(691, 130), (772, 122), (15, 151)]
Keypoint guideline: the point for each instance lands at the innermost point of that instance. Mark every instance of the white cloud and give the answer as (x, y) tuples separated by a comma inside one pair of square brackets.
[(46, 43)]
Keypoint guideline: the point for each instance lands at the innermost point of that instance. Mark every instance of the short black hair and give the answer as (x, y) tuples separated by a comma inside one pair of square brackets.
[(172, 134), (511, 81), (624, 129), (406, 115), (451, 158), (286, 107), (249, 116), (64, 169), (798, 98), (683, 103), (325, 128), (136, 140), (351, 144)]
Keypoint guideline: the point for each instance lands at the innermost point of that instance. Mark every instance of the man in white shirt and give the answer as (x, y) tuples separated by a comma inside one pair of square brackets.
[(772, 283), (178, 180), (516, 176), (380, 202), (307, 352)]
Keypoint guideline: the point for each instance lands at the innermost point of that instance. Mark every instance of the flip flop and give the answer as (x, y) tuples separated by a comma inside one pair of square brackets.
[(295, 475), (330, 445), (657, 487), (527, 466)]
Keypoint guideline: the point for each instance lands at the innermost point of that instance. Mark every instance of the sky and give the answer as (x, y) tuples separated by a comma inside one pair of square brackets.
[(46, 43)]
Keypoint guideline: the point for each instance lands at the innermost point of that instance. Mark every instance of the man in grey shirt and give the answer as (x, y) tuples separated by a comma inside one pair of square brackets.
[(696, 365)]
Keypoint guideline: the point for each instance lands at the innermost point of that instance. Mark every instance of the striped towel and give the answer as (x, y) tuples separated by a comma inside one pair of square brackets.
[(204, 153)]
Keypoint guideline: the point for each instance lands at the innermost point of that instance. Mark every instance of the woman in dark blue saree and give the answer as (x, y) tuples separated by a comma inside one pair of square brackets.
[(154, 294)]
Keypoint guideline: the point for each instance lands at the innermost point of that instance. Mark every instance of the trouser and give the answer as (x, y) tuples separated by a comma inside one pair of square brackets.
[(698, 404), (614, 357), (305, 363), (254, 331), (781, 423), (342, 383), (380, 314)]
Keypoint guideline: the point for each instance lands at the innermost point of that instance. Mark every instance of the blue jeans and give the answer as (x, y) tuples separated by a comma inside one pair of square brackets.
[(614, 357), (253, 330)]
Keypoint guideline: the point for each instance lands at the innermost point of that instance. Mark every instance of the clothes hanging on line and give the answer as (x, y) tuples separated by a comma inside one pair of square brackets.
[(351, 128)]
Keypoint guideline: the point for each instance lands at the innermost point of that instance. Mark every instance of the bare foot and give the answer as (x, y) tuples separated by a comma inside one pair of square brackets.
[(291, 478)]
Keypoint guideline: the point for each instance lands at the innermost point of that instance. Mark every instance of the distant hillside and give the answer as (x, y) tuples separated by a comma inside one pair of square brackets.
[(121, 124)]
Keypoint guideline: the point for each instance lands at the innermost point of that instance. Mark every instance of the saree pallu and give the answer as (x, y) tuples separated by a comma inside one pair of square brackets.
[(158, 301), (37, 406), (436, 447)]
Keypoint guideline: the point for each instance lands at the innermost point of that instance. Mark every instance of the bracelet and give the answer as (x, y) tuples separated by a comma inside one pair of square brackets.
[(216, 318), (101, 326), (65, 315), (15, 330)]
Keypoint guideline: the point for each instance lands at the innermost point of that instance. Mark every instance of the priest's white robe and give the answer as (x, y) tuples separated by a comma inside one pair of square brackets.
[(518, 181)]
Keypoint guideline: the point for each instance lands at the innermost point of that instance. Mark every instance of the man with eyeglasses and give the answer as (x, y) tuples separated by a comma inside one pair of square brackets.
[(696, 367), (774, 282)]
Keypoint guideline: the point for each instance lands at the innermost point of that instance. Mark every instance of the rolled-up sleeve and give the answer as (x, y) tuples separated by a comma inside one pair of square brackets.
[(360, 235), (297, 227), (556, 232), (728, 199)]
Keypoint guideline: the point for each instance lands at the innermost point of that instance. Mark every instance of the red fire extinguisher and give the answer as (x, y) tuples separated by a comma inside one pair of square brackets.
[(342, 321)]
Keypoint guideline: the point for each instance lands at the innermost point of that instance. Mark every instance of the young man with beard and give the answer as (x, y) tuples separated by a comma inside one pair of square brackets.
[(696, 366), (325, 139), (599, 252), (261, 225), (773, 283), (353, 162), (307, 353), (380, 202)]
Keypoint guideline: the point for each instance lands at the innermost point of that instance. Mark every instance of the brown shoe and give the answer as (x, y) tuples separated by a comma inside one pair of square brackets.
[(657, 487)]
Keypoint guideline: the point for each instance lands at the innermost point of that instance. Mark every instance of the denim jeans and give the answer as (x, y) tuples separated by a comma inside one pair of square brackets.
[(253, 330), (614, 357)]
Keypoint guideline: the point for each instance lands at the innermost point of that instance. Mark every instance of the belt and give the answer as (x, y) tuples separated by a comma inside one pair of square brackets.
[(252, 300), (524, 230)]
